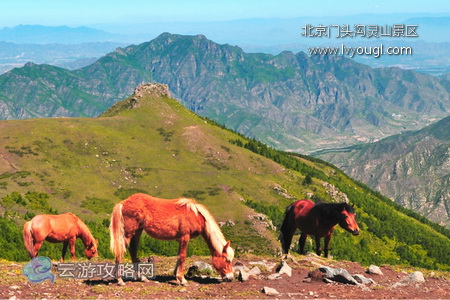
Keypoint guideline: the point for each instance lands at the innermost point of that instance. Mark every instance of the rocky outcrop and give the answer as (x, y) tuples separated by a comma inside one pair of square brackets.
[(152, 90)]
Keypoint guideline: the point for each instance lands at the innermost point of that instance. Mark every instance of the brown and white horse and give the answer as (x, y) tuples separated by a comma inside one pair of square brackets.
[(176, 219), (63, 228), (317, 220)]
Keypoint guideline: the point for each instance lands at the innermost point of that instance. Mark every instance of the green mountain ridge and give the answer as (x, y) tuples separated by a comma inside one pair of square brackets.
[(411, 168), (289, 101), (151, 143)]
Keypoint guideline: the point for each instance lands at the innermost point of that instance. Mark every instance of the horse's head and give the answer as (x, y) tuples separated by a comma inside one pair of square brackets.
[(223, 262), (348, 220), (91, 249)]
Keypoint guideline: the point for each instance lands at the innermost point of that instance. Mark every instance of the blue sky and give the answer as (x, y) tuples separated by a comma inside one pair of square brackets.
[(90, 12)]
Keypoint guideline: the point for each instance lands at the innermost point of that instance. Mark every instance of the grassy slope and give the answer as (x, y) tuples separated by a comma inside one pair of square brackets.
[(87, 165)]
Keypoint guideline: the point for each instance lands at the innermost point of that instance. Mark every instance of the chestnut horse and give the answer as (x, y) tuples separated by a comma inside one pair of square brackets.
[(317, 220), (176, 219), (63, 228)]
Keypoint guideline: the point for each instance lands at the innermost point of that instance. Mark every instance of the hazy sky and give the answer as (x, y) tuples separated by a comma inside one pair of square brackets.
[(90, 12)]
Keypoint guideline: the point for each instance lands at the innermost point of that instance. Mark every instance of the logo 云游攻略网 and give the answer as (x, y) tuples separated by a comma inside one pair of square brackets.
[(39, 269)]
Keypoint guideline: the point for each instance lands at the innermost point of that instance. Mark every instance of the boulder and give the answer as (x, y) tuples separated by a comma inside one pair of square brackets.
[(241, 267), (270, 291), (243, 275), (338, 275), (284, 268), (415, 277), (255, 271), (201, 265), (363, 280), (199, 268), (374, 270)]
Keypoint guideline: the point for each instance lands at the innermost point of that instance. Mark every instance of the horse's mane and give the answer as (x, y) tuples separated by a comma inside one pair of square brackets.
[(86, 234), (332, 211), (212, 230)]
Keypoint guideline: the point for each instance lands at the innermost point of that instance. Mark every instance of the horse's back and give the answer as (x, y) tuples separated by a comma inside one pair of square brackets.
[(303, 219), (147, 203), (161, 218), (302, 207), (53, 227)]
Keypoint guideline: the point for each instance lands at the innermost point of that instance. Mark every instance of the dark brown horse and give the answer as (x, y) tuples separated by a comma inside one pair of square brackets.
[(64, 228), (317, 220), (176, 219)]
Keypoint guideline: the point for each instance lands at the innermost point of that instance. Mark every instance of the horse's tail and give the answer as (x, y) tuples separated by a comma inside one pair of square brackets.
[(117, 233), (28, 238), (287, 229)]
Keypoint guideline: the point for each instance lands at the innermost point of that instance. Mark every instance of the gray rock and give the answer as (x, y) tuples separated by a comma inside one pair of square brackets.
[(270, 291), (363, 280), (415, 277), (338, 275), (274, 276), (201, 265), (244, 276), (328, 272), (226, 223), (261, 262), (284, 268), (374, 270), (255, 271), (326, 280), (238, 268), (199, 268)]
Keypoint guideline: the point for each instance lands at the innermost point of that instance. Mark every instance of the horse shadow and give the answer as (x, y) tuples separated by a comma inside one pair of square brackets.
[(159, 278)]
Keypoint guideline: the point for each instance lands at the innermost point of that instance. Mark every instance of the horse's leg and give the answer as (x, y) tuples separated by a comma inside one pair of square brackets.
[(134, 242), (179, 269), (286, 238), (72, 247), (301, 243), (327, 245), (318, 248), (64, 250), (36, 247), (118, 261)]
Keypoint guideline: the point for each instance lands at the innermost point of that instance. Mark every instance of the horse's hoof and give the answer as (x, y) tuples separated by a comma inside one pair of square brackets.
[(144, 279), (120, 282)]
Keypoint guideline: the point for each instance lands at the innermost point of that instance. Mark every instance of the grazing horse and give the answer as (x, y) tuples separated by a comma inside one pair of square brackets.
[(176, 219), (317, 220), (63, 228)]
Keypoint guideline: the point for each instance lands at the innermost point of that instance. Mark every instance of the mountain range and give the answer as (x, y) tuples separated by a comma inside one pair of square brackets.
[(68, 56), (39, 34), (412, 168), (290, 101), (151, 143)]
